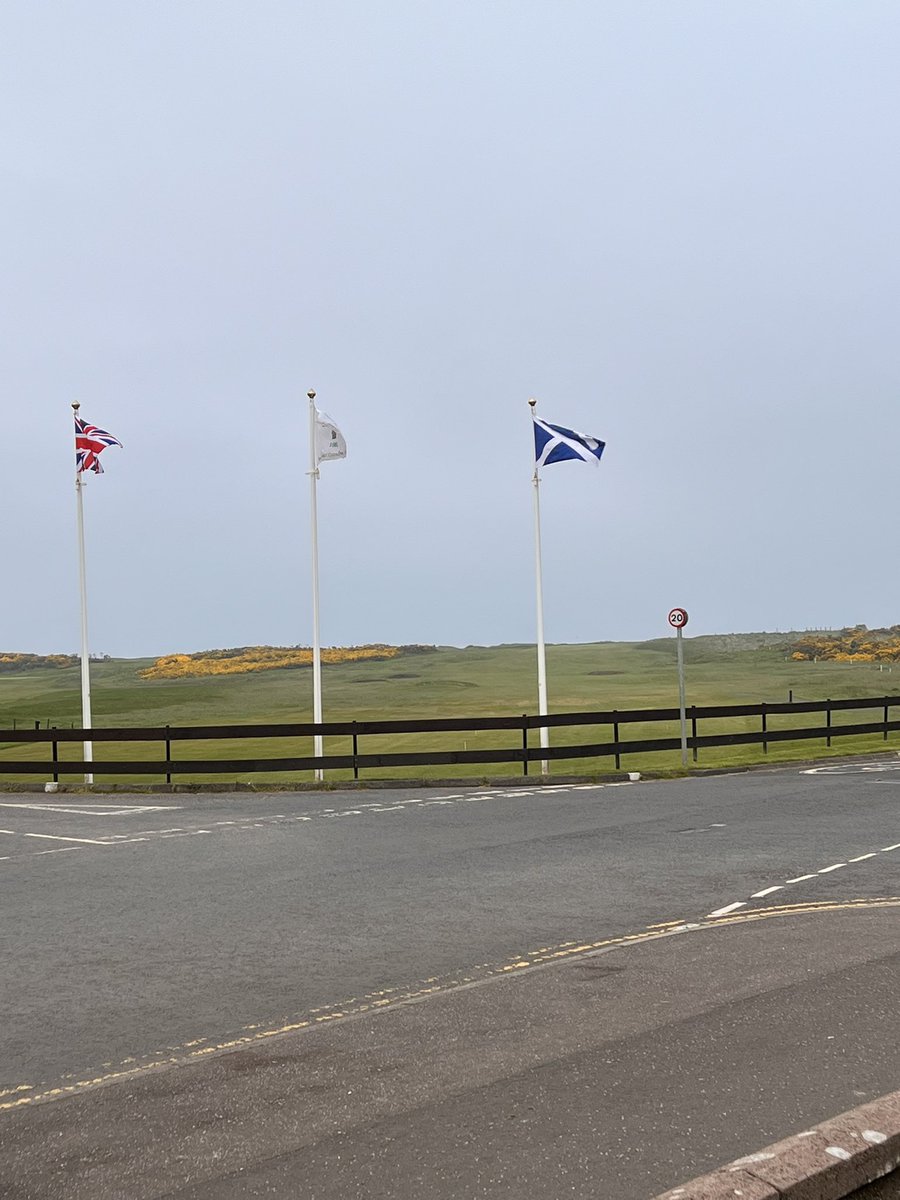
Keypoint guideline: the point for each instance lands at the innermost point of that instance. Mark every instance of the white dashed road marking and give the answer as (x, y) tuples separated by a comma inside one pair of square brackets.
[(720, 912)]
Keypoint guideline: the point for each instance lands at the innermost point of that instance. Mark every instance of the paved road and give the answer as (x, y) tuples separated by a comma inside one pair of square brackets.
[(134, 934)]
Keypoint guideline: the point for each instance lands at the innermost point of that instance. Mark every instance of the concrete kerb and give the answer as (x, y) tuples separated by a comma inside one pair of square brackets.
[(343, 785), (829, 1162)]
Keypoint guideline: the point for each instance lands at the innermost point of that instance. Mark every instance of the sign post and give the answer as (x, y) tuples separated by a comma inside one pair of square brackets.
[(678, 618)]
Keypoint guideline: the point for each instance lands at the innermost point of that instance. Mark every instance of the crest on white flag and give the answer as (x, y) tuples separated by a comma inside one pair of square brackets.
[(329, 439)]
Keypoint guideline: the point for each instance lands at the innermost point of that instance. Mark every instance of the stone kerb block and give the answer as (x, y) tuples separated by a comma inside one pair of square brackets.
[(723, 1185), (829, 1162)]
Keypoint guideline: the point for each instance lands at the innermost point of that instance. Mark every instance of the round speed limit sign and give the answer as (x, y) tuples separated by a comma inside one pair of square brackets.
[(678, 618)]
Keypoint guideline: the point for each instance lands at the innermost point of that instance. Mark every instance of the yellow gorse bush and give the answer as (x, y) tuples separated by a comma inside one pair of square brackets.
[(856, 644), (16, 662), (261, 658)]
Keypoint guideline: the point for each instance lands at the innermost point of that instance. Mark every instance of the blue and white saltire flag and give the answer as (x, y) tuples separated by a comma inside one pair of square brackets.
[(555, 443)]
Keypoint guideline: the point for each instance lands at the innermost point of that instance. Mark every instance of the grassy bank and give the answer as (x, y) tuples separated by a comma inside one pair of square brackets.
[(475, 681)]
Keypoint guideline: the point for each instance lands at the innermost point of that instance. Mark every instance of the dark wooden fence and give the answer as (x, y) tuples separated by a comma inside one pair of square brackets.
[(522, 754)]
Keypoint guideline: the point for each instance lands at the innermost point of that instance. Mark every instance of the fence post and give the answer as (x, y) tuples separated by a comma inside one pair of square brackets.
[(616, 739), (355, 752), (694, 729), (168, 756), (828, 721), (885, 718), (762, 713), (524, 743), (55, 761)]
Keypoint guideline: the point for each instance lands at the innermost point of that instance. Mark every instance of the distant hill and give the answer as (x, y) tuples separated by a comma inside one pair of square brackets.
[(730, 643), (853, 643)]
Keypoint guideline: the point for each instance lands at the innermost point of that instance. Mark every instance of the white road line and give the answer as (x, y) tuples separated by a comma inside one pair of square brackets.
[(179, 833), (96, 810), (822, 871), (55, 837), (721, 912)]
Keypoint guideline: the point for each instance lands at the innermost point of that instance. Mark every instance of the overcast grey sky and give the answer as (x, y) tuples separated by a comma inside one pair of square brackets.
[(674, 223)]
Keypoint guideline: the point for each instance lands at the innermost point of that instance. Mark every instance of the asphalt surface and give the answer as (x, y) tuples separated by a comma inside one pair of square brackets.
[(149, 956)]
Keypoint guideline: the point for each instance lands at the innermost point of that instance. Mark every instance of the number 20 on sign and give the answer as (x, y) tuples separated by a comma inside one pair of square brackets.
[(678, 618)]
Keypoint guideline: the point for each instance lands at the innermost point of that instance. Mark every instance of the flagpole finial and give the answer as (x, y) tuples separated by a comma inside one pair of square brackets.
[(532, 403), (311, 393), (76, 404)]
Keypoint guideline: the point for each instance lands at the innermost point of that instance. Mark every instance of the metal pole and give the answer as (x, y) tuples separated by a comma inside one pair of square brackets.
[(314, 519), (539, 588), (681, 698), (85, 655)]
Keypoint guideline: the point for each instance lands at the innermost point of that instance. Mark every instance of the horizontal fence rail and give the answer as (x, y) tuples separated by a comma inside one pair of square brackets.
[(523, 754)]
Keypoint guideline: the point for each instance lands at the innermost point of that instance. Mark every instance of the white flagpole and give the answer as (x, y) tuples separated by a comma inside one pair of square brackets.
[(85, 655), (539, 588), (314, 518)]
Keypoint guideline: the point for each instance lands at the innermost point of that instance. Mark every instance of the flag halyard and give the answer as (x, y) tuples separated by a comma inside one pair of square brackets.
[(556, 443)]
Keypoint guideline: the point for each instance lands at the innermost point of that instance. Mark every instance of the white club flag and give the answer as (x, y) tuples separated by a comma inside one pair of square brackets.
[(329, 439)]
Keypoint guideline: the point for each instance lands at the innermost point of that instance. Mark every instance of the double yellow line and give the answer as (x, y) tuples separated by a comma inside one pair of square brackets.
[(23, 1095)]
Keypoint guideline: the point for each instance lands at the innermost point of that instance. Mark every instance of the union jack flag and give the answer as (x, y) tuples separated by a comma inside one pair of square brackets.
[(90, 442)]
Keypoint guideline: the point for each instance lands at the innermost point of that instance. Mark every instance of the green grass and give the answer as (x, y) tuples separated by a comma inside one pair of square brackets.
[(476, 681)]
